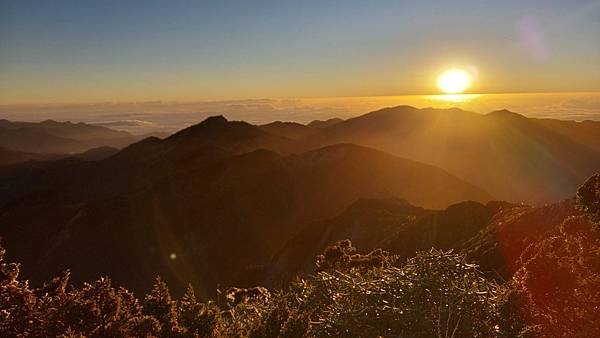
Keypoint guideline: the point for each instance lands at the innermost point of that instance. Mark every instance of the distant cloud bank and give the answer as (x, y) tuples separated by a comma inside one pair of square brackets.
[(145, 117)]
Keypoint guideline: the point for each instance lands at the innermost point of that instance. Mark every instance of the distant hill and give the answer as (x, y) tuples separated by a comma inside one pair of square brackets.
[(11, 157), (324, 123), (21, 160), (298, 131), (52, 137), (513, 157), (96, 154), (291, 130), (214, 197)]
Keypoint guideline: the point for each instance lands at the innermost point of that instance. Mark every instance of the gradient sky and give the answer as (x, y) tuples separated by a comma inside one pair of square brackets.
[(93, 51)]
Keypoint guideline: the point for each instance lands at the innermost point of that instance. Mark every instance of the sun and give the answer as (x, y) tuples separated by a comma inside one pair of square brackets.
[(454, 81)]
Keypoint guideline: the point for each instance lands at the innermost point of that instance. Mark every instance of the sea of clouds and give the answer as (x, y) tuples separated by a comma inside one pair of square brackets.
[(167, 117)]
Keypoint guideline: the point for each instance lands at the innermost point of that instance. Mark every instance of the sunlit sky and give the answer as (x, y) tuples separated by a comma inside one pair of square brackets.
[(98, 51)]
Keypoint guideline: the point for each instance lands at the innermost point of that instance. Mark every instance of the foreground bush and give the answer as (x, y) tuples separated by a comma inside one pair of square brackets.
[(559, 281), (434, 294)]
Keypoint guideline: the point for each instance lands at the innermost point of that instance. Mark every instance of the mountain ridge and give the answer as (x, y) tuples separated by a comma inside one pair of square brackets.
[(514, 157), (221, 204), (52, 137)]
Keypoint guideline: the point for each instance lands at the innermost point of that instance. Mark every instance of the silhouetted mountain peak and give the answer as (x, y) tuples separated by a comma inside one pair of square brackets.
[(391, 111), (214, 120), (216, 132), (403, 107), (374, 121), (210, 125), (505, 113), (392, 117)]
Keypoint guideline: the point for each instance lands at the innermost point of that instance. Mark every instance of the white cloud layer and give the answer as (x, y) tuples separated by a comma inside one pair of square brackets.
[(144, 117)]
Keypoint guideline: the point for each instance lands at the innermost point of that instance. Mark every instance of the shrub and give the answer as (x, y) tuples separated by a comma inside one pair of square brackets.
[(434, 294), (560, 280), (588, 198)]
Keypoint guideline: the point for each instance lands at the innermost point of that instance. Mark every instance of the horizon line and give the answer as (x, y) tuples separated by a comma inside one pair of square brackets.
[(160, 101)]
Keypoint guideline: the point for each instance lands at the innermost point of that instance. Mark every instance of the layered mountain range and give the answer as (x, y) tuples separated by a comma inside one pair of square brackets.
[(25, 141), (214, 197), (229, 203), (513, 157)]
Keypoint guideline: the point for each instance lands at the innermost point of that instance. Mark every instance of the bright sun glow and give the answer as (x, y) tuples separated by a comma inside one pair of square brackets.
[(454, 81)]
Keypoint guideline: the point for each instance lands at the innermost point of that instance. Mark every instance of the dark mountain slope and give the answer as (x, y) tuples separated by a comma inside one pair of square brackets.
[(499, 245), (384, 175), (392, 224), (493, 235)]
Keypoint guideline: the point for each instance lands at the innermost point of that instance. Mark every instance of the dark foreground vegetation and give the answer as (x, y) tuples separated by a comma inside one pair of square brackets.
[(553, 292)]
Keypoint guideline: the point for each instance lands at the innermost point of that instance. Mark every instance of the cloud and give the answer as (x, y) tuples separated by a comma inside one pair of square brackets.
[(141, 118), (125, 123)]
